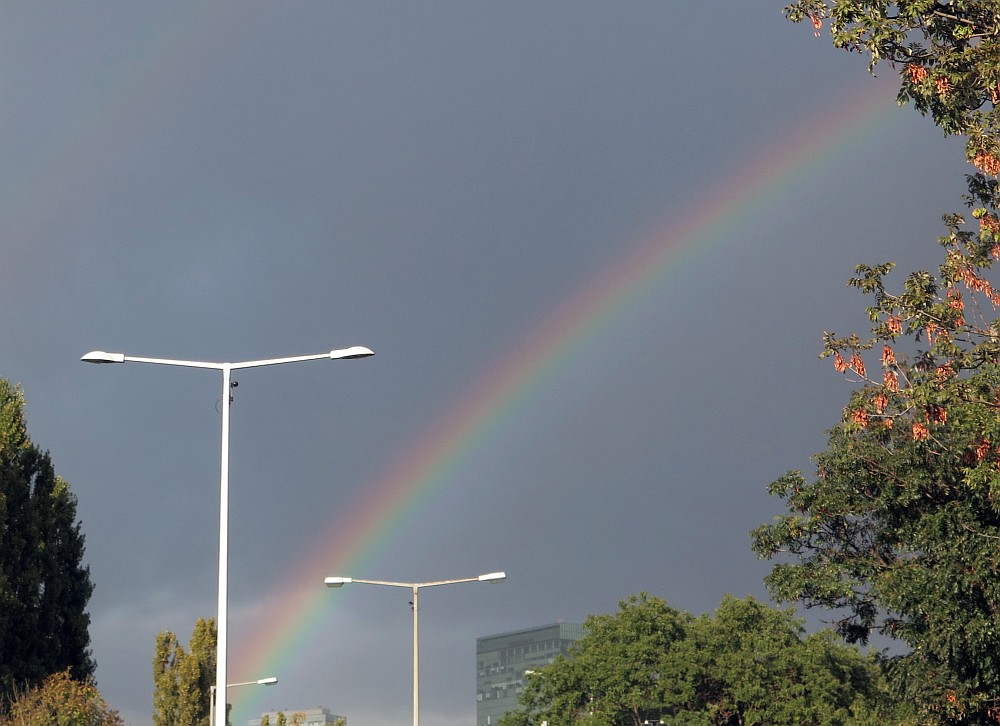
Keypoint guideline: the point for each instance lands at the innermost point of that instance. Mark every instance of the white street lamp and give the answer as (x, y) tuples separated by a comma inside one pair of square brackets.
[(415, 587), (99, 356), (270, 681)]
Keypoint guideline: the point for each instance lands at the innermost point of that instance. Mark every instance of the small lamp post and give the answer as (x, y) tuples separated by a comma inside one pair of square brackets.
[(415, 587), (270, 681)]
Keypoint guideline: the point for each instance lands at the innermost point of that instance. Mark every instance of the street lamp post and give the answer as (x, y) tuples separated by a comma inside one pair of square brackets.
[(270, 681), (415, 587), (99, 356)]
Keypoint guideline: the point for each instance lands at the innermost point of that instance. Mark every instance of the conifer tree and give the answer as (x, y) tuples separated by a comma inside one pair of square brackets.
[(44, 585)]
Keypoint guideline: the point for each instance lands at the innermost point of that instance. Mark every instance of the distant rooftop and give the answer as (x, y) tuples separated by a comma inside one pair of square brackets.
[(572, 631)]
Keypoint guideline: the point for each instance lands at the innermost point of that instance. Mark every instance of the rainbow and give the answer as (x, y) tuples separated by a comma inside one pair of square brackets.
[(416, 474)]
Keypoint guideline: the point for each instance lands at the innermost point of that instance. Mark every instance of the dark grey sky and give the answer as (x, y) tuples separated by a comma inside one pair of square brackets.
[(234, 181)]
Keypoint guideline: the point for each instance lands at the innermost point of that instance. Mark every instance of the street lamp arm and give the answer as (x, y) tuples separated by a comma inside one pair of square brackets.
[(489, 577), (99, 356), (339, 581), (169, 362), (447, 582), (270, 681), (355, 351)]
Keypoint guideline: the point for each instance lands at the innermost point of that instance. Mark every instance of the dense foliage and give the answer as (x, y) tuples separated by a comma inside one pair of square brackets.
[(44, 586), (61, 701), (183, 679), (895, 537), (746, 664), (898, 531)]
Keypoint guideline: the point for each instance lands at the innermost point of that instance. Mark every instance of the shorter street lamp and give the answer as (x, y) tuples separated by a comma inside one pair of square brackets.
[(415, 587), (270, 681)]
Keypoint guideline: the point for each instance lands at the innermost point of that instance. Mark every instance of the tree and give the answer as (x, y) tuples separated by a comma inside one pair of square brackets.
[(165, 690), (613, 675), (746, 664), (752, 664), (298, 718), (61, 701), (182, 680), (44, 586), (947, 54), (898, 531)]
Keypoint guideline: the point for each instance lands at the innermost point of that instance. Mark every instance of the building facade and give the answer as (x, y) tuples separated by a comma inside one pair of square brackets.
[(502, 662), (301, 717)]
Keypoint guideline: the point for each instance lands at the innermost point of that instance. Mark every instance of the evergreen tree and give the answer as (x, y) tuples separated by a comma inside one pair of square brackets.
[(44, 586)]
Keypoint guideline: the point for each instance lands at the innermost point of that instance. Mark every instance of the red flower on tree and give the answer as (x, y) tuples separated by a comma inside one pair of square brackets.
[(857, 365), (982, 450), (891, 380), (916, 72), (888, 357)]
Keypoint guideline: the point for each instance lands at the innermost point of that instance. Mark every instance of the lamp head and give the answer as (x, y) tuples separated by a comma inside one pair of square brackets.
[(355, 351), (493, 577), (337, 581), (267, 681), (99, 356)]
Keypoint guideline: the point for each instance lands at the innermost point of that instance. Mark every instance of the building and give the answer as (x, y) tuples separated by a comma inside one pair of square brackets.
[(503, 660), (306, 717)]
